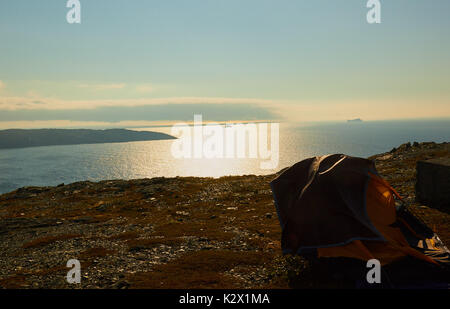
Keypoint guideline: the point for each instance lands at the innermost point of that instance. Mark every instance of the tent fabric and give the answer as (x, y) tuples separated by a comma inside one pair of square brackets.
[(339, 206)]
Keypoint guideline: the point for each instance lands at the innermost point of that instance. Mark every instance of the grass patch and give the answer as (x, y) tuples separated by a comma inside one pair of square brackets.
[(201, 269), (139, 244), (13, 282), (124, 236), (208, 229), (95, 252), (46, 240)]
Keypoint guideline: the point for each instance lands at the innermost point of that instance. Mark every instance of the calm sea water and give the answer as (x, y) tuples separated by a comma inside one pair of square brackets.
[(42, 166)]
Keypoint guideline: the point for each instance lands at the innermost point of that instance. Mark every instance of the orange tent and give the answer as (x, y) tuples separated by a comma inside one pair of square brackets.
[(338, 206)]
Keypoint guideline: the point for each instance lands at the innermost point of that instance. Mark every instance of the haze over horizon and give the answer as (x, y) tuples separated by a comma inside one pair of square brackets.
[(131, 64)]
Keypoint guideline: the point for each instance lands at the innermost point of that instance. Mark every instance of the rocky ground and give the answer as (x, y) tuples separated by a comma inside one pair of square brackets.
[(171, 232)]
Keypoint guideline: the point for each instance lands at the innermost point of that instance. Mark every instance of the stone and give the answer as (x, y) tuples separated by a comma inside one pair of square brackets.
[(404, 146), (433, 182), (123, 284)]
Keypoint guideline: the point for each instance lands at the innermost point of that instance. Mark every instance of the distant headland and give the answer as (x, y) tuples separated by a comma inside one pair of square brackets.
[(20, 138), (355, 120)]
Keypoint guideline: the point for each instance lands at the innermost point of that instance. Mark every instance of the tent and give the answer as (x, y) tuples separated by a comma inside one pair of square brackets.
[(339, 206)]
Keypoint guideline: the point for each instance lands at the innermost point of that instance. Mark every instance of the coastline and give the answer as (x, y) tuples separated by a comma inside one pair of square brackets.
[(183, 232), (27, 138)]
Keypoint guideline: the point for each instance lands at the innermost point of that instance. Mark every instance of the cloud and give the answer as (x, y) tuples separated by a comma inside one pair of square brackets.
[(36, 124), (156, 112), (141, 88), (342, 110), (29, 103), (101, 87), (36, 108), (145, 88), (18, 111)]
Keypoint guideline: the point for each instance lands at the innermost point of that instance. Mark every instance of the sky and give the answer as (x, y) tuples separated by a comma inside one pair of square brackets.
[(142, 61)]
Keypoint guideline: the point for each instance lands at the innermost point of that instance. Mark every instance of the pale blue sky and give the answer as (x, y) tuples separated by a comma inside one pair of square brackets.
[(318, 59)]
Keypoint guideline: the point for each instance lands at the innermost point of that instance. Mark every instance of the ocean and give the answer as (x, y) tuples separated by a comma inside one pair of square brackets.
[(53, 165)]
